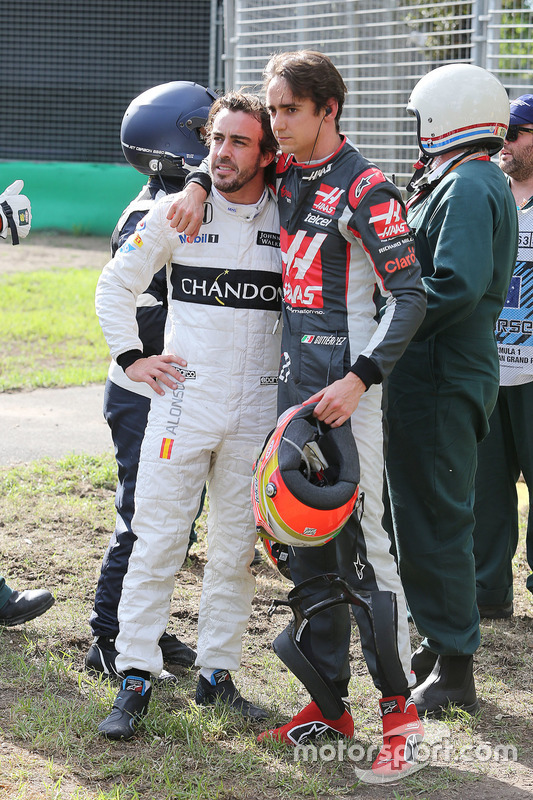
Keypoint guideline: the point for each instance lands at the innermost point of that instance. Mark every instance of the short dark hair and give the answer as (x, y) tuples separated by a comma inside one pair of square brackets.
[(308, 74), (250, 104)]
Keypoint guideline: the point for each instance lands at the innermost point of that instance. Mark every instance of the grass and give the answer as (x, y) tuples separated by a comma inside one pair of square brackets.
[(55, 519), (49, 330)]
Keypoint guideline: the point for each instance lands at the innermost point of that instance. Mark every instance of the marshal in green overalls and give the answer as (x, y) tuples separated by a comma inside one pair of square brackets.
[(442, 391)]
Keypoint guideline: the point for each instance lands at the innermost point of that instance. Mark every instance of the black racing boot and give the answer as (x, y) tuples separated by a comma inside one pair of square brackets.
[(175, 651), (222, 686), (451, 683), (101, 657), (496, 612), (24, 606), (422, 663), (130, 705)]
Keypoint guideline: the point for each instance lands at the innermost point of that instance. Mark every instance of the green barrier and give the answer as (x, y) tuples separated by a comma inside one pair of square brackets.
[(74, 198)]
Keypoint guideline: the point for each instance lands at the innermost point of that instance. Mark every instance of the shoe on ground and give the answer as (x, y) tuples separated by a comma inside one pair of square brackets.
[(101, 657), (451, 683), (422, 663), (308, 725), (402, 733), (257, 559), (23, 606), (496, 612), (176, 652), (131, 704), (221, 687)]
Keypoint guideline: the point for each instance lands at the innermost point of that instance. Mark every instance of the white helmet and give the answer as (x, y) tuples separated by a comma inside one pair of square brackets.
[(459, 105)]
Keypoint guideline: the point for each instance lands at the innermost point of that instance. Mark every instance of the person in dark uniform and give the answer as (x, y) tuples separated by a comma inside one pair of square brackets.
[(507, 451), (443, 389)]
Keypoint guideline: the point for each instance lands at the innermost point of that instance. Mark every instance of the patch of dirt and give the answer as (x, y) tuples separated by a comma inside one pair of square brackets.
[(54, 251), (63, 550), (46, 543)]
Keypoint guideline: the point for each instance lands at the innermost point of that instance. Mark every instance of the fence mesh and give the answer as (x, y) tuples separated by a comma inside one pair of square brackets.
[(382, 49), (69, 69)]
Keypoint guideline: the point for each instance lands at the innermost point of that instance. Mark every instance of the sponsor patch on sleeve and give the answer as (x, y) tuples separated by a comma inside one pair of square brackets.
[(127, 247), (363, 183), (388, 220)]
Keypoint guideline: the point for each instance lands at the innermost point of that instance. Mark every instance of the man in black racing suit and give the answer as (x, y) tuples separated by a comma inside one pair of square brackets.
[(344, 237)]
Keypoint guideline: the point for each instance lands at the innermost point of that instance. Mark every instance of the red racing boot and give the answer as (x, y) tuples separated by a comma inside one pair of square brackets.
[(308, 725), (402, 732)]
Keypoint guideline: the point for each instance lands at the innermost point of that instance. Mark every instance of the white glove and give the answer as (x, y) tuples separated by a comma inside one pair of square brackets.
[(15, 204)]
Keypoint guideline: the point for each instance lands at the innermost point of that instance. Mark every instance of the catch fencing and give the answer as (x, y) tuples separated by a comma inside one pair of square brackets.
[(382, 49)]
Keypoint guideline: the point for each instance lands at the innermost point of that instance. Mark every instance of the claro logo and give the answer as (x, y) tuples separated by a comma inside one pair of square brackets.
[(401, 263)]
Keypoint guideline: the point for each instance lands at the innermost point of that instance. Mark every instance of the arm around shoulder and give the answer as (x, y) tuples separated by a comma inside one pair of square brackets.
[(186, 213)]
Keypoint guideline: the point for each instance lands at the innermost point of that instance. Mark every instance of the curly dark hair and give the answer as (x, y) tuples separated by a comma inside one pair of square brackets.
[(250, 104)]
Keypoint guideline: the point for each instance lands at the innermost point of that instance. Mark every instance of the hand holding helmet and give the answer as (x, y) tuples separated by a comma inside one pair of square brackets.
[(15, 212), (305, 482)]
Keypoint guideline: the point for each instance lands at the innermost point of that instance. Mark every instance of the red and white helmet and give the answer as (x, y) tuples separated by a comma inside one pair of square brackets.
[(306, 480)]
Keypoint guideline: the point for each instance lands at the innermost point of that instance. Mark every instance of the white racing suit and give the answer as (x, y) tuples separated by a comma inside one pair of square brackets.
[(224, 299)]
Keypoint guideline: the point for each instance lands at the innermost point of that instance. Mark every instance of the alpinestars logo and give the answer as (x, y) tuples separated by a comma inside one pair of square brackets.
[(301, 733), (366, 181), (389, 707), (359, 567), (327, 199), (388, 220)]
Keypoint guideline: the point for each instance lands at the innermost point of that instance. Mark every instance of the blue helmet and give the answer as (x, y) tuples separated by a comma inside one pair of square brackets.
[(160, 132)]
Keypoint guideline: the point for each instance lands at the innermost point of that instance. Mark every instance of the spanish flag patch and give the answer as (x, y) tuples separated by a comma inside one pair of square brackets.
[(166, 448)]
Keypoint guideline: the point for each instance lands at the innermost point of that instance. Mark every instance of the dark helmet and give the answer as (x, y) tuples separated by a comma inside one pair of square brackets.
[(160, 129)]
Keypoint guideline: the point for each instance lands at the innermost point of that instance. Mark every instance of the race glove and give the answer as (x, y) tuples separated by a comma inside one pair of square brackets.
[(15, 212)]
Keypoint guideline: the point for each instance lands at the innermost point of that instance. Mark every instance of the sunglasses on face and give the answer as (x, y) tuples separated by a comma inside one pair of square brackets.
[(514, 130)]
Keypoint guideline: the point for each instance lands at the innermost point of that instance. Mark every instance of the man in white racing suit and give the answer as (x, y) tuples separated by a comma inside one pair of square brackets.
[(215, 401)]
